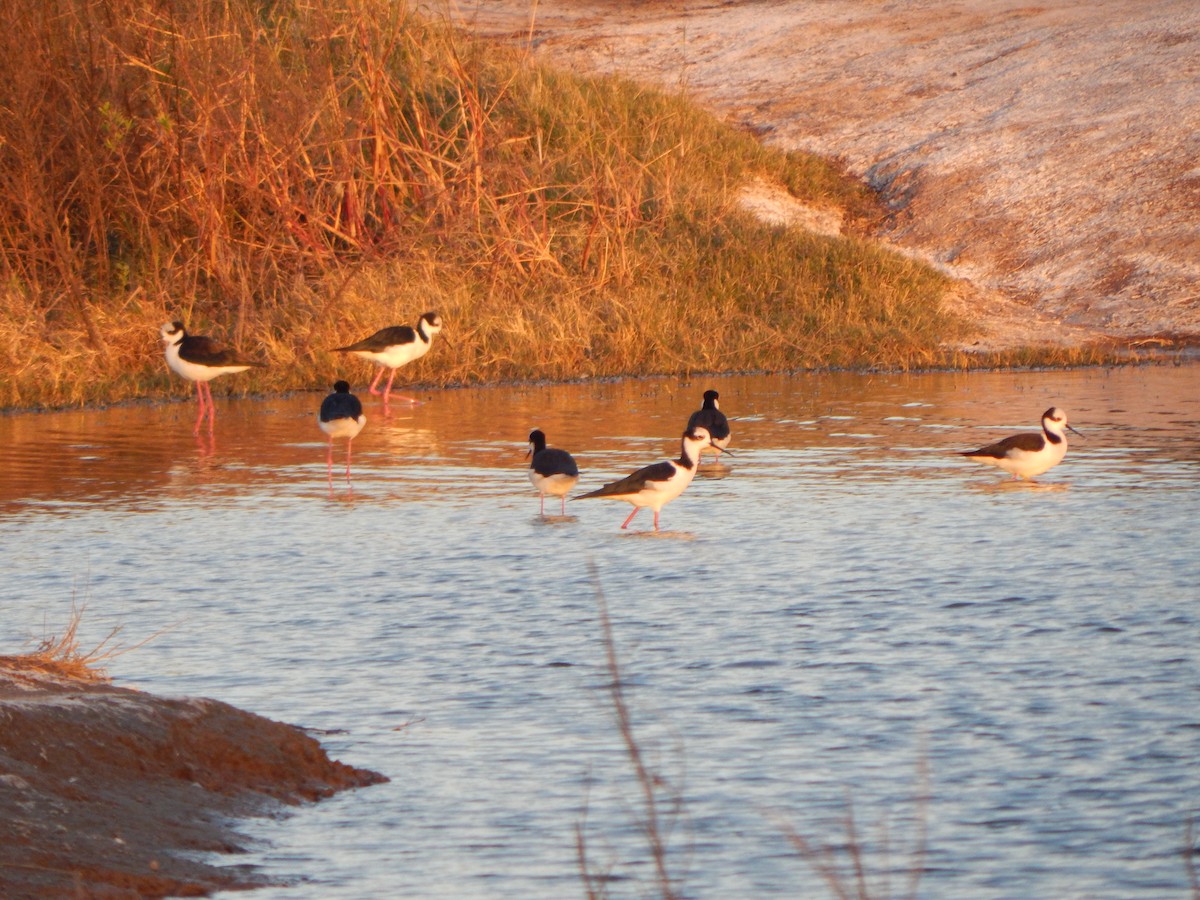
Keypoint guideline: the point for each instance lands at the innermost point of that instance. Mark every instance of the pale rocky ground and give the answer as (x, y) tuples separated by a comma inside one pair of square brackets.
[(1047, 154)]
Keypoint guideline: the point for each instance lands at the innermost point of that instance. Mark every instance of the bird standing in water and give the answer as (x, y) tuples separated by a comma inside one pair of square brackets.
[(393, 347), (341, 416), (201, 359), (710, 416), (551, 470), (657, 485), (1032, 453)]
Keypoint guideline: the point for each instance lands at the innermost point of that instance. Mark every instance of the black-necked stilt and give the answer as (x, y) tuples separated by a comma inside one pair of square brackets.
[(341, 416), (201, 359), (551, 471), (1029, 455), (391, 348), (657, 485), (709, 416)]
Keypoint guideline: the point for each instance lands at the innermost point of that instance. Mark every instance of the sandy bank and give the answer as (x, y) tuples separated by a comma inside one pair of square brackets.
[(101, 787), (1045, 153)]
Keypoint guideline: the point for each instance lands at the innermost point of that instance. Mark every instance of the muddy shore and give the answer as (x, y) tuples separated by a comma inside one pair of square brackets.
[(107, 792)]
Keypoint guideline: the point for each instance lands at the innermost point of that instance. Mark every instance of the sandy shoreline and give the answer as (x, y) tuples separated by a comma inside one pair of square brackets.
[(102, 787), (1045, 154)]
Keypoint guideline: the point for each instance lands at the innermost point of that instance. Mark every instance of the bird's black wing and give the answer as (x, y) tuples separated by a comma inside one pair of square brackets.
[(340, 406), (712, 419), (206, 351), (1029, 442), (384, 338), (553, 461), (632, 484)]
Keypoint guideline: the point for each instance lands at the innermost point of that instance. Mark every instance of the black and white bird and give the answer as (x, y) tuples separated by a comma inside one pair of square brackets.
[(657, 485), (390, 348), (341, 416), (200, 360), (551, 470), (709, 416), (1032, 453)]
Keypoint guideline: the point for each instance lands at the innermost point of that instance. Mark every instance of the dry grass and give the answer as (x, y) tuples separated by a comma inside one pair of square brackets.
[(1045, 356), (652, 786), (62, 656), (844, 866), (289, 176)]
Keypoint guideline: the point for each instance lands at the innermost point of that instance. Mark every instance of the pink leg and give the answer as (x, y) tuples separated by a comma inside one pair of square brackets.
[(199, 406), (387, 391), (348, 443), (542, 497), (625, 524), (212, 409), (329, 463), (656, 520), (205, 404), (563, 501), (379, 375)]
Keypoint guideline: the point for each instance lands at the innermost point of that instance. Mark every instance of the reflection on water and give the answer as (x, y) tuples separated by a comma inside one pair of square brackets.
[(843, 600)]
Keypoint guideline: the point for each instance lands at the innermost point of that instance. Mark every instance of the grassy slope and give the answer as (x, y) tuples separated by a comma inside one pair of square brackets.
[(289, 177)]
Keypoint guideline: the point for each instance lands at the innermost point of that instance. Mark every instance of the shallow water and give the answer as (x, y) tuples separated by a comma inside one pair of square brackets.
[(842, 607)]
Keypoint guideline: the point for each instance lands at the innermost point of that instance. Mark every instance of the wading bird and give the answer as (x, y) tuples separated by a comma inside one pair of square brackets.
[(393, 347), (551, 471), (1030, 454), (657, 485), (201, 359), (341, 416), (710, 416)]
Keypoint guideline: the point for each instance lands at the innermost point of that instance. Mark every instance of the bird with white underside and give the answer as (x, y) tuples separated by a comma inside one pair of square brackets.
[(1029, 454), (657, 485), (200, 359), (341, 416), (551, 470), (393, 347)]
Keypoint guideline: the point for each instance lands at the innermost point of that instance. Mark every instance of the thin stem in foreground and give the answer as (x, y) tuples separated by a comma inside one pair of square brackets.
[(649, 782)]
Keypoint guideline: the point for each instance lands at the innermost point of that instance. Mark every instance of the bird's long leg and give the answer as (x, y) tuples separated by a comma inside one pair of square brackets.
[(563, 501), (387, 392), (329, 463), (205, 404), (348, 443), (212, 408), (625, 524), (199, 406), (656, 520), (378, 375), (542, 497)]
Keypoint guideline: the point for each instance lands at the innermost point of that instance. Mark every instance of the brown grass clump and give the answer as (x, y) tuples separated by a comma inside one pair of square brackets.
[(61, 655)]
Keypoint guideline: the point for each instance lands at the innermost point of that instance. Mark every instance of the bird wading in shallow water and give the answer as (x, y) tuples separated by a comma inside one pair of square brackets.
[(709, 416), (551, 470), (1032, 453), (391, 348), (341, 416), (201, 359), (657, 485)]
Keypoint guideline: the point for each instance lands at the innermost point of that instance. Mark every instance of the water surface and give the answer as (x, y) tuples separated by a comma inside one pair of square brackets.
[(842, 607)]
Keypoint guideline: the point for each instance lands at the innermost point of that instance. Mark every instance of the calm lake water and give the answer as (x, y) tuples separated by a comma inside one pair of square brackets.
[(843, 617)]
